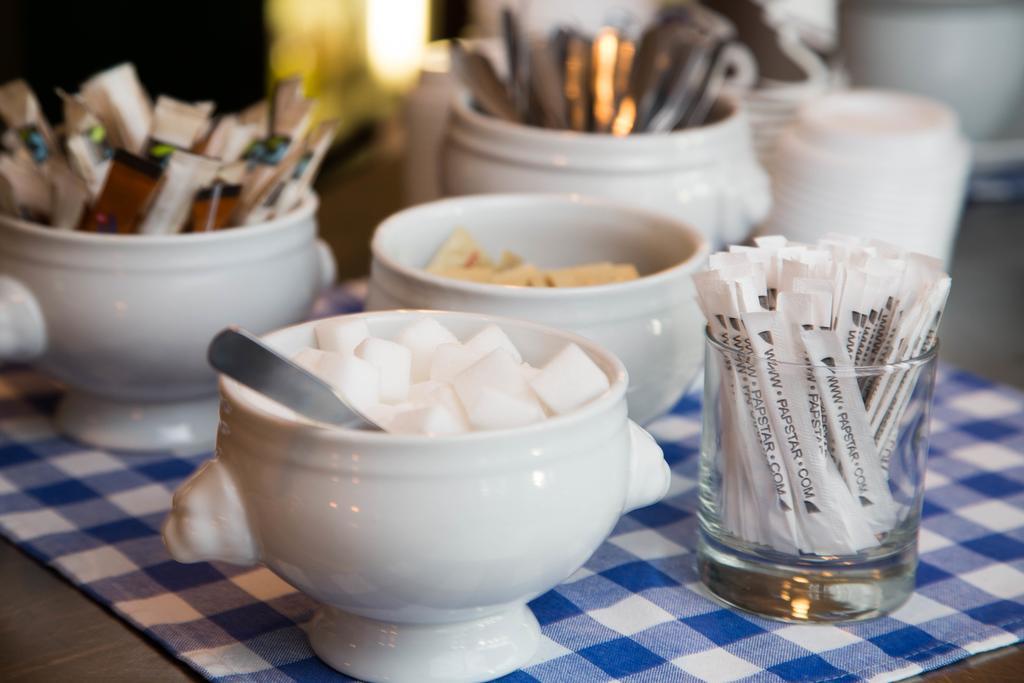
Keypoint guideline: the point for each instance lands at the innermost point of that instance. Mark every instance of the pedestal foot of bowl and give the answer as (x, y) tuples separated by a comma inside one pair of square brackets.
[(181, 426), (477, 650)]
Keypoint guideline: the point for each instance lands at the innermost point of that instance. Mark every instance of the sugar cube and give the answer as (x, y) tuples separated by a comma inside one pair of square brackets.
[(490, 338), (497, 370), (493, 409), (342, 335), (449, 360), (309, 358), (434, 420), (393, 361), (528, 371), (383, 413), (356, 379), (569, 380), (433, 392), (422, 338)]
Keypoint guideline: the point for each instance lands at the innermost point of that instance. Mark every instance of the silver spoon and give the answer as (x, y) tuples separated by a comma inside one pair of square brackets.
[(243, 357)]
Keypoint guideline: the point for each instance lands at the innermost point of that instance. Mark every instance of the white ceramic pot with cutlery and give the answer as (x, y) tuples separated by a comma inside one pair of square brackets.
[(123, 321), (421, 550), (652, 323), (706, 175)]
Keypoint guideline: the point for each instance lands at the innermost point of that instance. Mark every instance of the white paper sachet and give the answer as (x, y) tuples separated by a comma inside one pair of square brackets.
[(831, 521), (185, 174), (747, 415), (848, 423), (118, 98)]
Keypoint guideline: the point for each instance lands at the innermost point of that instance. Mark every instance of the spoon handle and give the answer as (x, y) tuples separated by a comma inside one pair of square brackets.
[(246, 359)]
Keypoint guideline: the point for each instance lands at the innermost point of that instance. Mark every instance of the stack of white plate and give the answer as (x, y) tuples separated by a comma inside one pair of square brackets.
[(877, 164)]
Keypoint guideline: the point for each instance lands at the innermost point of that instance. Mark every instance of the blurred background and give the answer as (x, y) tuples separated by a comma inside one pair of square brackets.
[(362, 59)]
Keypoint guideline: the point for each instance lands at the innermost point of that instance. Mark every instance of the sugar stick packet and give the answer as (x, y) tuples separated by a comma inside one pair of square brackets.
[(20, 111), (800, 319), (117, 97)]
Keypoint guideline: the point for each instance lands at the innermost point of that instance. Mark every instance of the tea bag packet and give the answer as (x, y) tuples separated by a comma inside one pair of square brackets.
[(270, 158), (117, 97), (300, 177), (85, 139), (25, 190), (184, 175), (22, 115), (214, 204), (176, 125), (69, 198), (129, 186)]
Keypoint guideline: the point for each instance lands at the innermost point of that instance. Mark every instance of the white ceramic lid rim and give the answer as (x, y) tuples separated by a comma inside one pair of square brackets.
[(700, 250)]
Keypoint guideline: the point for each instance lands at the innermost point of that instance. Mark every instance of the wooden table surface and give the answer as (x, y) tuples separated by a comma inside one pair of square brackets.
[(51, 632)]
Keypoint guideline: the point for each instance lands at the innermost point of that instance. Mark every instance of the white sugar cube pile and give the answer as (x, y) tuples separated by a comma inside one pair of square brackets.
[(426, 381)]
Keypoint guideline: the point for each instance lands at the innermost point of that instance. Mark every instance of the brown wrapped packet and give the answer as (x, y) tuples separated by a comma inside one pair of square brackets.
[(20, 110), (214, 205), (130, 185)]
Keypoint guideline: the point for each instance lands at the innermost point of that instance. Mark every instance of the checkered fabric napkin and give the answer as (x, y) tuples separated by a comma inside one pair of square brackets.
[(635, 612)]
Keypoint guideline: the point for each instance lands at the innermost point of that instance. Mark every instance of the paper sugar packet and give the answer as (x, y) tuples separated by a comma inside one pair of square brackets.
[(123, 164), (806, 437)]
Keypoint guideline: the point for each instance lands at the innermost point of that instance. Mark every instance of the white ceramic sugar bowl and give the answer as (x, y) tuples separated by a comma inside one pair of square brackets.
[(124, 321), (423, 551), (707, 176)]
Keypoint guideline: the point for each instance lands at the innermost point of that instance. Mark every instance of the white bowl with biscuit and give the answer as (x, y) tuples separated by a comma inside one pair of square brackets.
[(652, 323)]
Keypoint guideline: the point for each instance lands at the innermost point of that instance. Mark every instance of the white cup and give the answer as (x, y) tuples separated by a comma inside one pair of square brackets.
[(653, 323), (124, 320), (421, 550)]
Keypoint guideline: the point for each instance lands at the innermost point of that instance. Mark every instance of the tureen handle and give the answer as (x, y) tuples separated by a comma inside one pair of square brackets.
[(22, 328), (649, 474), (207, 520)]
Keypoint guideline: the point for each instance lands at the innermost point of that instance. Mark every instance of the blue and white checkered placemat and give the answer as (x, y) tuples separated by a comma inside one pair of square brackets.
[(635, 612)]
